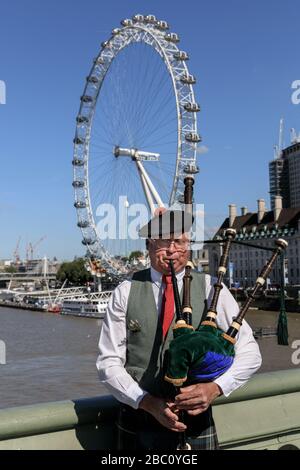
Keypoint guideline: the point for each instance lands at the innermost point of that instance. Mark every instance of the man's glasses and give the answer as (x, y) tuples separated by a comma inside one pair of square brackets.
[(179, 244)]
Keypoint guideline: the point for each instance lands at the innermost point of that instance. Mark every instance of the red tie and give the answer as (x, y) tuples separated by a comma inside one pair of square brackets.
[(167, 306)]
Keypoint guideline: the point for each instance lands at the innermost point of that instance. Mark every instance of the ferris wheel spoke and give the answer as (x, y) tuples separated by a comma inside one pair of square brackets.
[(160, 106), (137, 106), (161, 123), (149, 135), (137, 76), (144, 103), (146, 119), (122, 107)]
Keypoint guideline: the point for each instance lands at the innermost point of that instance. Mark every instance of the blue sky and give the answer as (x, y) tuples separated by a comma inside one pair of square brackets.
[(244, 55)]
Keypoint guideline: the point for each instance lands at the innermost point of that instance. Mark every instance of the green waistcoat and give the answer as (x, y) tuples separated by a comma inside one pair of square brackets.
[(146, 351)]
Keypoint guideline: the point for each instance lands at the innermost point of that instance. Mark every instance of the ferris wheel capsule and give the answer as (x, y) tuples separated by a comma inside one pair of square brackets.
[(77, 162), (86, 99), (151, 19), (127, 22), (92, 79), (82, 119), (99, 60), (181, 55), (83, 224), (191, 169), (192, 107), (80, 205), (162, 25), (188, 79), (78, 184), (138, 18), (88, 241), (78, 141), (172, 37), (192, 137)]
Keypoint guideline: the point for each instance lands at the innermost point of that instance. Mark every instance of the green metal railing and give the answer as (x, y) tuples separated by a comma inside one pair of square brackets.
[(263, 414)]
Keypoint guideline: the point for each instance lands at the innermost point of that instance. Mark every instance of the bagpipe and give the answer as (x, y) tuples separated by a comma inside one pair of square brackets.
[(204, 354)]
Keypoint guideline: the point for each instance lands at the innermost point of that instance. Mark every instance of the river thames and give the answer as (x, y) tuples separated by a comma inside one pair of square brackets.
[(52, 357), (48, 357)]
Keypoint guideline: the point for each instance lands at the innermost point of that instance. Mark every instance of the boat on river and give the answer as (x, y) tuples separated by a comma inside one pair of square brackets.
[(91, 305)]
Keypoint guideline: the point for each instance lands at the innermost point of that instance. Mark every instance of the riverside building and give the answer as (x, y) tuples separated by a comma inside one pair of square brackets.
[(261, 228)]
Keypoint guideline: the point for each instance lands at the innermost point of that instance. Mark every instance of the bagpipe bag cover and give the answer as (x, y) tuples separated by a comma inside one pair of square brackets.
[(198, 356)]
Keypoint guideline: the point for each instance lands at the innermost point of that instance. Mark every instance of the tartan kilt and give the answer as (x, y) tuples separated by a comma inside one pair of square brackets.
[(138, 430)]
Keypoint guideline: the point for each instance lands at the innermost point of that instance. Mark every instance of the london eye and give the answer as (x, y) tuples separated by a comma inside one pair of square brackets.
[(136, 135)]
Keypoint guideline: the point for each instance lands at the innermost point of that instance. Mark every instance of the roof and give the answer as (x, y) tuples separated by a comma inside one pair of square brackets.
[(288, 218), (291, 149)]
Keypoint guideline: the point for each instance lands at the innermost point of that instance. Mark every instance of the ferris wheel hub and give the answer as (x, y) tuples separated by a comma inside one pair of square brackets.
[(135, 154)]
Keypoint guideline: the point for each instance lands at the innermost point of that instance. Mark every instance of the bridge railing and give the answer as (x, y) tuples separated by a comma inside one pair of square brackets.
[(27, 275), (265, 414)]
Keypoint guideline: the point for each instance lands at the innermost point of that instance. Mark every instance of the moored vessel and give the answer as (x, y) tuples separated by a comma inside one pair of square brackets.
[(93, 305)]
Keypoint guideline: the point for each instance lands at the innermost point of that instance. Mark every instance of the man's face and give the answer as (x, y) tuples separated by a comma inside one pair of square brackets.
[(162, 250)]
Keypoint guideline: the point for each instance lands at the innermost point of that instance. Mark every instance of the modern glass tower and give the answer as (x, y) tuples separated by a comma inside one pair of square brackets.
[(284, 177)]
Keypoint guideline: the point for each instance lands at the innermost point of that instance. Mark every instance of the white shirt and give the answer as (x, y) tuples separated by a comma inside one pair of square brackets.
[(113, 338)]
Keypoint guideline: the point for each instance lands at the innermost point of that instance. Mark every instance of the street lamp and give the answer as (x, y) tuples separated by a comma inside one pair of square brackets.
[(282, 329)]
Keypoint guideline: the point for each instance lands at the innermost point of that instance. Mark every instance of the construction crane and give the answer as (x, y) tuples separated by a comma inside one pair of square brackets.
[(30, 248), (279, 148), (16, 255), (294, 137)]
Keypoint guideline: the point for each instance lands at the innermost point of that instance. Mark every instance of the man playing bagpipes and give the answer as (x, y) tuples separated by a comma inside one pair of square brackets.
[(135, 362)]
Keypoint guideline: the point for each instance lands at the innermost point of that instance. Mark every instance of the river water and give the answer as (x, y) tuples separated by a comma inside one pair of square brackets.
[(48, 357), (52, 357)]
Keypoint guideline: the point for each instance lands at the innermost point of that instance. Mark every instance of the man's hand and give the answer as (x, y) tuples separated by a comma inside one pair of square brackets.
[(196, 398), (163, 411)]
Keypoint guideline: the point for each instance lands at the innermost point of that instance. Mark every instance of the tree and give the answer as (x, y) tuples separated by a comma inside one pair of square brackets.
[(135, 255), (10, 269), (75, 272)]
